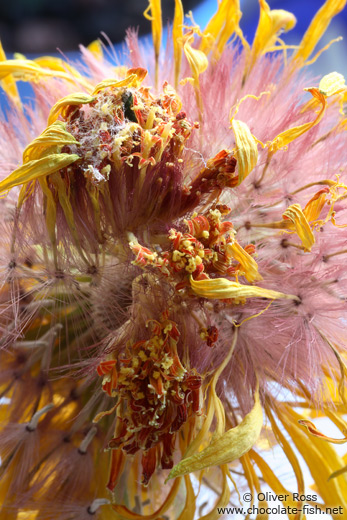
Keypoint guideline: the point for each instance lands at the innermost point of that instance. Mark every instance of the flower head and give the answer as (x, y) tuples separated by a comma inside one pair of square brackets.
[(173, 282)]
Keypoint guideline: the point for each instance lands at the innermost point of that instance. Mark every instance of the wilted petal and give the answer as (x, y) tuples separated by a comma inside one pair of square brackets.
[(246, 149), (228, 447), (295, 214), (221, 288)]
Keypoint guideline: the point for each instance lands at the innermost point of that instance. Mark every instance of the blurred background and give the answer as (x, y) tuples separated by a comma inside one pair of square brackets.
[(37, 27)]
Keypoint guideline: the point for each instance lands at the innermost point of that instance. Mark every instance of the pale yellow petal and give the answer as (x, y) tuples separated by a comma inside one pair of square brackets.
[(189, 507), (223, 499), (214, 406), (295, 214), (228, 447), (246, 149), (221, 289), (332, 83), (316, 29), (34, 169), (63, 104)]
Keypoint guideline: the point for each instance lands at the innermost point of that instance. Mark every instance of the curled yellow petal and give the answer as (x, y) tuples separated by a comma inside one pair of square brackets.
[(20, 69), (189, 506), (8, 83), (133, 79), (198, 63), (332, 83), (63, 104), (28, 70), (313, 430), (248, 264), (54, 135), (286, 137), (228, 447), (154, 8), (271, 23), (316, 29), (222, 288), (35, 169), (246, 149), (320, 457), (221, 27), (177, 38), (313, 208), (295, 214), (197, 60)]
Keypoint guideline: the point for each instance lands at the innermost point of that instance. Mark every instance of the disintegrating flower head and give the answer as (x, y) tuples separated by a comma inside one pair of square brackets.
[(173, 286)]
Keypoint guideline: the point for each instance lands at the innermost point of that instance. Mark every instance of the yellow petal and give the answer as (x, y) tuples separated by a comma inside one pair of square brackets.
[(246, 149), (288, 450), (221, 27), (316, 29), (295, 214), (34, 169), (312, 429), (20, 69), (248, 264), (223, 499), (126, 513), (95, 48), (57, 64), (28, 70), (198, 63), (189, 506), (313, 208), (286, 137), (177, 38), (54, 136), (63, 104), (228, 447), (221, 289), (332, 83), (338, 472), (131, 80), (50, 214), (271, 479), (197, 60), (271, 23), (320, 458), (214, 407), (154, 8), (8, 83)]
